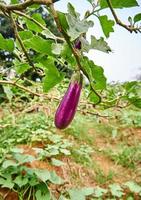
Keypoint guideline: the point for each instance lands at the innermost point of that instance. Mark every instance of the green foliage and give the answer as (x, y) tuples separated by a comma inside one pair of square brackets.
[(119, 4), (107, 25), (6, 44)]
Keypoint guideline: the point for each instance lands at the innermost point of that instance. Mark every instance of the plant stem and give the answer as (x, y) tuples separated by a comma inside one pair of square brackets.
[(129, 28), (21, 42)]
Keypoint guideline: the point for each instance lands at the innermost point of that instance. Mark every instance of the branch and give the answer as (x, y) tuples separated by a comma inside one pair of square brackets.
[(24, 5), (20, 86), (4, 82), (127, 27), (20, 42)]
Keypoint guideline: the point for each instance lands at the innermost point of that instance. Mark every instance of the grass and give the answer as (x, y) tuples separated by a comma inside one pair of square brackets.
[(101, 151)]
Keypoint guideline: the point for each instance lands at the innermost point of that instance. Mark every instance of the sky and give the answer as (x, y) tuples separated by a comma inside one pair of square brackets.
[(124, 63)]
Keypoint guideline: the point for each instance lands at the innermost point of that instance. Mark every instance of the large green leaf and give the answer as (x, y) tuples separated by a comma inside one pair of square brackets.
[(77, 26), (52, 76), (98, 44), (107, 25), (6, 44), (39, 44), (32, 25), (95, 73), (119, 3), (25, 35)]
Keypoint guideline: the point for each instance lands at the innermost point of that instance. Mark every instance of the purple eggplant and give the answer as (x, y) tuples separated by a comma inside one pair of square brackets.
[(77, 44), (68, 105)]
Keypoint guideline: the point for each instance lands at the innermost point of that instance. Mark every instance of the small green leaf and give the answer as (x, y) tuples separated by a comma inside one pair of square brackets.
[(56, 162), (43, 175), (21, 181), (23, 158), (54, 178), (107, 25), (7, 182), (119, 3), (8, 92), (65, 151), (57, 48), (99, 192), (6, 44), (21, 67), (94, 98), (136, 101), (116, 190), (137, 18), (134, 187), (48, 34), (63, 21), (8, 163), (42, 192)]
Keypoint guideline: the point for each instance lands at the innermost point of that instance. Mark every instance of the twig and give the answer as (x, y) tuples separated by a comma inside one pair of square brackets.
[(129, 28), (24, 5), (36, 22), (20, 42), (21, 87)]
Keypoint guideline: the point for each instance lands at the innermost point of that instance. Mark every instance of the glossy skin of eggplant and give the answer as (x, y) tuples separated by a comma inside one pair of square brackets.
[(67, 108)]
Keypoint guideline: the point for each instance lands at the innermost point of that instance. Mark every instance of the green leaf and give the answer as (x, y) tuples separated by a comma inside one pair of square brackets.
[(6, 44), (57, 48), (107, 25), (39, 44), (63, 20), (137, 18), (7, 182), (25, 35), (77, 26), (80, 194), (32, 25), (23, 158), (52, 76), (93, 97), (134, 187), (136, 101), (99, 44), (48, 34), (71, 10), (95, 73), (116, 190), (21, 180), (8, 92), (21, 67), (43, 175), (76, 194), (42, 192), (119, 3), (55, 179), (8, 163), (99, 192), (56, 162), (65, 151)]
